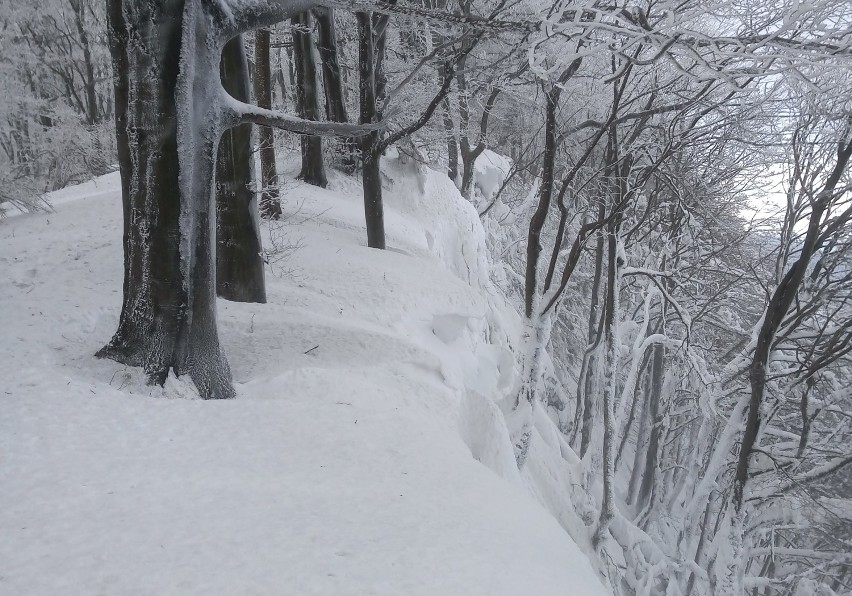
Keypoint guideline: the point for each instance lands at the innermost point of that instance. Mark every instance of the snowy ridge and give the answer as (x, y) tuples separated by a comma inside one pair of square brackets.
[(347, 464)]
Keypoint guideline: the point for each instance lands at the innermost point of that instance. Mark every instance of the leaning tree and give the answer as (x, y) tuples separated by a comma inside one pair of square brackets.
[(171, 112)]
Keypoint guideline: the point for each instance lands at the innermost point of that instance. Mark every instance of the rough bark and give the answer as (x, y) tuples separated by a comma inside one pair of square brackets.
[(270, 202), (239, 265), (168, 320)]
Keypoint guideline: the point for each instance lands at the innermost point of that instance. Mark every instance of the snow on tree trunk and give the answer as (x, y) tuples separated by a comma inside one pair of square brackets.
[(168, 321), (521, 417), (176, 112)]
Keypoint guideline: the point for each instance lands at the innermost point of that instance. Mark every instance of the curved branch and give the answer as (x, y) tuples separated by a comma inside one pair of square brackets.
[(243, 113)]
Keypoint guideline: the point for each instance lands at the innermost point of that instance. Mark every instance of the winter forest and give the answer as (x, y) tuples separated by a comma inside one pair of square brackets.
[(439, 297)]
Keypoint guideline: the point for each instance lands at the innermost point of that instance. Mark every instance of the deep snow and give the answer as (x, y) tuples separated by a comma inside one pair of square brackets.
[(348, 462)]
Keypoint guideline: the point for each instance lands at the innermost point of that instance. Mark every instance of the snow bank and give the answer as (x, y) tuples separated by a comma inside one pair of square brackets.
[(348, 463), (489, 172)]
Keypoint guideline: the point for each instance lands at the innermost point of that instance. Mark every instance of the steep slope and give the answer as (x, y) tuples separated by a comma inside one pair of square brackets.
[(348, 463)]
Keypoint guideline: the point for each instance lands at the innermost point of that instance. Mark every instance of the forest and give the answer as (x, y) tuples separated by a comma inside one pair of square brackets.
[(663, 194)]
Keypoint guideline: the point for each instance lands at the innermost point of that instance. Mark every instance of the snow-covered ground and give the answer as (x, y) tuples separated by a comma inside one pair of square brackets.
[(363, 455)]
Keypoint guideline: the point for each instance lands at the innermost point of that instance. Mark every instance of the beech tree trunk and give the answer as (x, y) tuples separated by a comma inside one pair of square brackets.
[(370, 176), (313, 168), (239, 265), (335, 103), (168, 319), (270, 203), (335, 106)]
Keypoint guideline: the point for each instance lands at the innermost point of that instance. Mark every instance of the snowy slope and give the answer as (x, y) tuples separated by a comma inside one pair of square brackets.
[(348, 462)]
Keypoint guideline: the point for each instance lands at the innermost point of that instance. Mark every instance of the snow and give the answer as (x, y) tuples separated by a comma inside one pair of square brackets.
[(364, 453), (489, 171)]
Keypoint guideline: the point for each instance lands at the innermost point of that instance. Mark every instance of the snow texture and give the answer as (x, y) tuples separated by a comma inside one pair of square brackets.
[(366, 393)]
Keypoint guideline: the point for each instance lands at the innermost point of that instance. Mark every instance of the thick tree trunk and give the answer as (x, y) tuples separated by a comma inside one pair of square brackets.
[(168, 321), (270, 203), (371, 174), (313, 168), (239, 265)]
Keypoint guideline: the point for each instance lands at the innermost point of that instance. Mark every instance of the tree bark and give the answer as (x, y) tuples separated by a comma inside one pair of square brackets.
[(168, 320), (239, 265), (370, 157), (776, 310), (313, 168), (270, 203), (89, 81), (335, 103), (545, 195), (452, 145)]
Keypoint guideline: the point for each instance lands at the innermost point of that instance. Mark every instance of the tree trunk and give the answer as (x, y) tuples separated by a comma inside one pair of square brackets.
[(270, 203), (239, 265), (452, 145), (653, 419), (313, 168), (545, 195), (585, 417), (335, 104), (610, 363), (168, 321), (89, 82), (779, 305), (371, 174)]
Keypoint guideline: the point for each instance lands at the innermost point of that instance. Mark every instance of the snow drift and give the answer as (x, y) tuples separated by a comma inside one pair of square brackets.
[(347, 464)]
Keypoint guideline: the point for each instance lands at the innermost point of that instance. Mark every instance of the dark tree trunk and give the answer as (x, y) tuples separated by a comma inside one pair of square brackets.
[(239, 266), (545, 195), (452, 145), (117, 34), (168, 319), (371, 175), (335, 104), (654, 420), (779, 305), (270, 203), (89, 81), (313, 168)]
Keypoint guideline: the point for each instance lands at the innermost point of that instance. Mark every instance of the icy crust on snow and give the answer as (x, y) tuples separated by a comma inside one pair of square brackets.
[(347, 465)]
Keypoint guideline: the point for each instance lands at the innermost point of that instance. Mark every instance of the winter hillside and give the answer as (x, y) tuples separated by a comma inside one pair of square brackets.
[(364, 453)]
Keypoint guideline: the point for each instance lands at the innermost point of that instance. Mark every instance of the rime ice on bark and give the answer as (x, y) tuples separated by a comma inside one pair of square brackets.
[(175, 120)]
